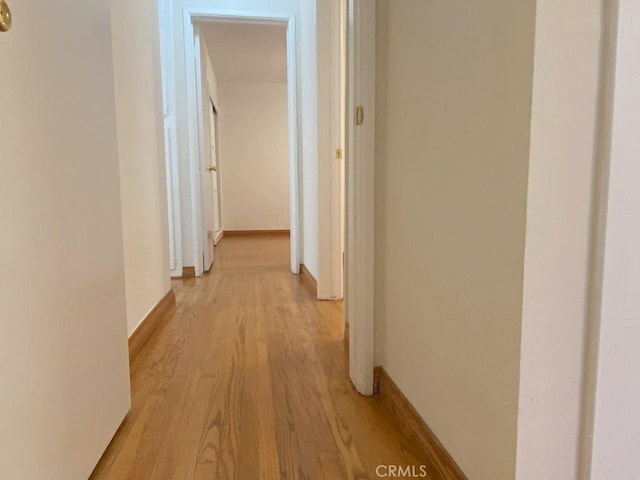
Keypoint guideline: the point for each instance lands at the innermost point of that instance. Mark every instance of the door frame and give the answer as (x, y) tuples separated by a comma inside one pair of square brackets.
[(612, 331), (168, 68), (204, 14), (331, 166), (330, 20), (360, 192)]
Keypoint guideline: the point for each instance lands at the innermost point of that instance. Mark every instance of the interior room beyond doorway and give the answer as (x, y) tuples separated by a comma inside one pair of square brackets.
[(245, 85)]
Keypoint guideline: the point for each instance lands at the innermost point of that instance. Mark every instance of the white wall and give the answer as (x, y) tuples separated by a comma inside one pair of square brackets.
[(141, 152), (304, 11), (64, 367), (561, 173), (616, 429), (254, 155), (453, 104)]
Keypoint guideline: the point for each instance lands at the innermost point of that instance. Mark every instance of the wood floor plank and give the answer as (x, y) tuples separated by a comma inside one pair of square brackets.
[(248, 380)]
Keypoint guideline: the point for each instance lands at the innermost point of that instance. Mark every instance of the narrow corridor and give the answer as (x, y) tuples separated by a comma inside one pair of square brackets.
[(248, 379)]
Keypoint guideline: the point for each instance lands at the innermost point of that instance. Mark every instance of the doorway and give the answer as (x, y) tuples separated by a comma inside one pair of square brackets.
[(246, 69), (200, 151)]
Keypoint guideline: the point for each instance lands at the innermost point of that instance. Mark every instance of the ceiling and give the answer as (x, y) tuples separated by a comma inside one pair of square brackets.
[(242, 52)]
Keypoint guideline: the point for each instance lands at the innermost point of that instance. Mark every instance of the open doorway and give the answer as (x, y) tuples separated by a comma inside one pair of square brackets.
[(246, 76), (252, 138)]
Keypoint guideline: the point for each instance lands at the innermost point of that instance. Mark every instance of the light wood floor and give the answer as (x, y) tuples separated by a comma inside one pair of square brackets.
[(248, 380)]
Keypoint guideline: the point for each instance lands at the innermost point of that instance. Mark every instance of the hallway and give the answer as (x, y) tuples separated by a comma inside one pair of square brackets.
[(248, 380)]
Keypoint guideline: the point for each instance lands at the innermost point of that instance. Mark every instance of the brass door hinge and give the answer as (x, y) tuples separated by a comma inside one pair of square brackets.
[(339, 153)]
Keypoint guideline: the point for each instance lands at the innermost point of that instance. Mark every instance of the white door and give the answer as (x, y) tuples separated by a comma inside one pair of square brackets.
[(360, 183), (64, 366), (204, 153), (215, 219)]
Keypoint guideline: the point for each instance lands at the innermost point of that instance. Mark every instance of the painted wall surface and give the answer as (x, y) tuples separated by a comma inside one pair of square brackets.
[(306, 31), (141, 151), (616, 429), (254, 155), (563, 126), (453, 104), (64, 370)]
